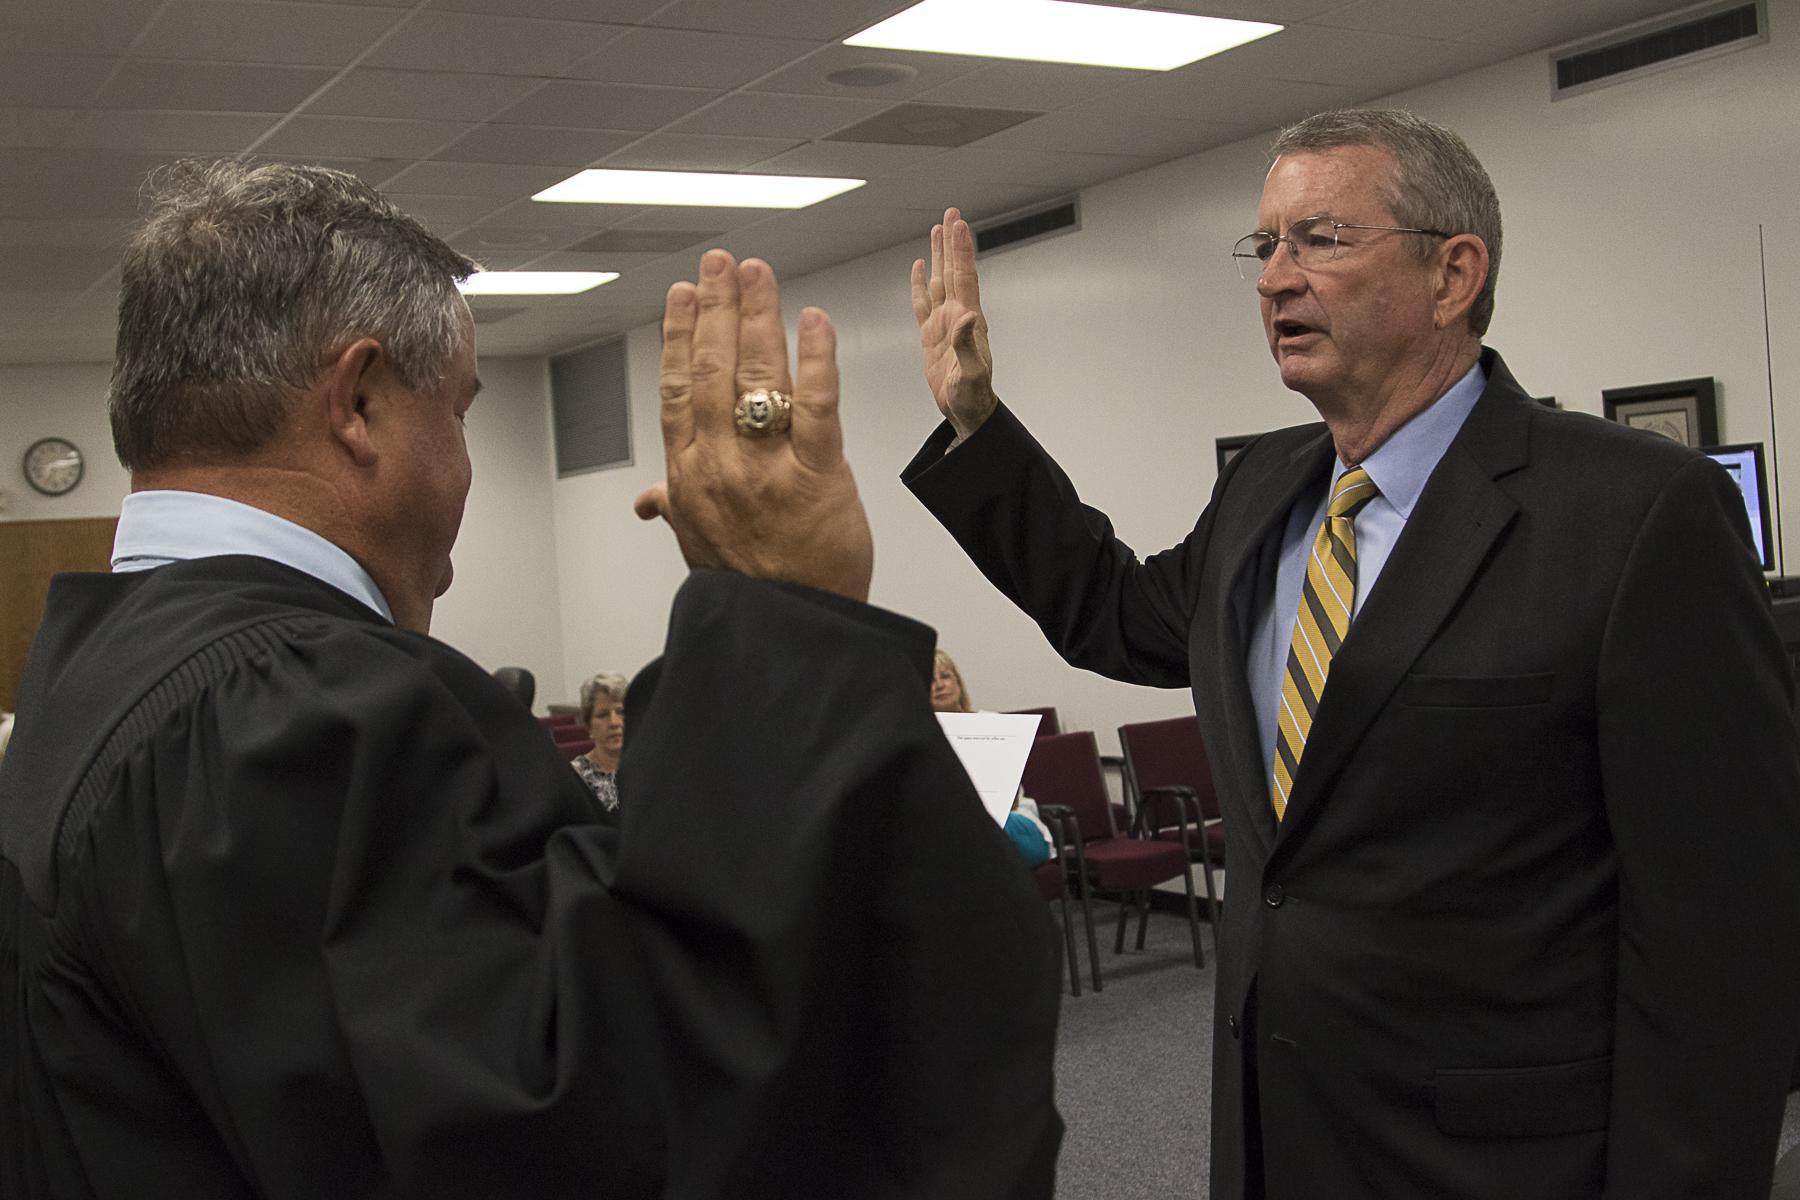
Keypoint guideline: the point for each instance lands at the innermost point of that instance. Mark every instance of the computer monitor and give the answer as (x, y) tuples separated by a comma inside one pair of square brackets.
[(1744, 463)]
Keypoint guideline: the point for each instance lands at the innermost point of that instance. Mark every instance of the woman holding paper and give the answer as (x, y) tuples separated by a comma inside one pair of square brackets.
[(1023, 825)]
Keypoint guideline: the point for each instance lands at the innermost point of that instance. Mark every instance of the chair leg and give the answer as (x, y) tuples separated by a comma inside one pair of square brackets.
[(1087, 917), (1143, 916), (1124, 910), (1187, 877), (1069, 938)]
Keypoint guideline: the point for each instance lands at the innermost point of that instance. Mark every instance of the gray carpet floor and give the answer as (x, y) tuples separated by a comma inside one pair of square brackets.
[(1133, 1064)]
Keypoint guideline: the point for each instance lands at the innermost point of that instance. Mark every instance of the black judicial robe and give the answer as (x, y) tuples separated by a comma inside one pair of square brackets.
[(297, 904)]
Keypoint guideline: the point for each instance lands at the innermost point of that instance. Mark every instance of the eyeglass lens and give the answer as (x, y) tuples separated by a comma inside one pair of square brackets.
[(1311, 241)]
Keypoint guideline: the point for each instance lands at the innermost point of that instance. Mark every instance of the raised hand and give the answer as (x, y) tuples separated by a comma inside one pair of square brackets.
[(776, 502), (953, 334)]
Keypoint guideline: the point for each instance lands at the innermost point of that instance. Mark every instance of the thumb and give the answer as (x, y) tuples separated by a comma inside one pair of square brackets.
[(652, 502)]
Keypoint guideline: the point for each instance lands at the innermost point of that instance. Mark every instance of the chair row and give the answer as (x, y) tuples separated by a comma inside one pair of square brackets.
[(1172, 823)]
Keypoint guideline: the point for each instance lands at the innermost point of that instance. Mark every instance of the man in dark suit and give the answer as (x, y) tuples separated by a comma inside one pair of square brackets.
[(1511, 907)]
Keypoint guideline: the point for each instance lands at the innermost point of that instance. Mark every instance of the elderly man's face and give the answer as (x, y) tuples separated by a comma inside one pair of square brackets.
[(1353, 328)]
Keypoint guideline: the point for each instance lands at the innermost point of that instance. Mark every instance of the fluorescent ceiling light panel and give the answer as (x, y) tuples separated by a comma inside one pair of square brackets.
[(706, 189), (533, 283), (1058, 31)]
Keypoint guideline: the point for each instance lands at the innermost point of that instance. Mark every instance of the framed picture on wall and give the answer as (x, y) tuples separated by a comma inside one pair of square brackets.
[(1684, 411), (1228, 447)]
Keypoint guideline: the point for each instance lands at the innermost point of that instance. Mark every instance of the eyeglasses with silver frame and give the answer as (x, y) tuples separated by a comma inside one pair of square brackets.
[(1311, 240)]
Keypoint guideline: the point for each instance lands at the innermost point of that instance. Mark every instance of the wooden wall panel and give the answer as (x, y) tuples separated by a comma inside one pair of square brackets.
[(30, 553)]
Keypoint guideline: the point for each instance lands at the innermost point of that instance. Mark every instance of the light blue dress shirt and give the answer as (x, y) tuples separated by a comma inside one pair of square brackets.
[(1400, 466), (160, 527)]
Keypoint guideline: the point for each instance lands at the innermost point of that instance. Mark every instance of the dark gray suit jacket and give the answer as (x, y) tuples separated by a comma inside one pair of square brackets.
[(1530, 928)]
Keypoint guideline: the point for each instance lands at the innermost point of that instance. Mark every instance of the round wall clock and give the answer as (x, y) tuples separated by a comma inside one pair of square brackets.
[(53, 465)]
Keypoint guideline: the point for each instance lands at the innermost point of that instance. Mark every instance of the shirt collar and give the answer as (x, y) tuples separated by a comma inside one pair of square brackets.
[(161, 527), (1401, 465)]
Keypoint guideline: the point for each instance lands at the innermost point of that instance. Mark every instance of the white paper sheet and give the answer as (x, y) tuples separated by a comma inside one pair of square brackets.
[(993, 748)]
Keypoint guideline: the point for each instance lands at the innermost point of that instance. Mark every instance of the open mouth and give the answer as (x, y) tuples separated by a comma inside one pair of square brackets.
[(1291, 329)]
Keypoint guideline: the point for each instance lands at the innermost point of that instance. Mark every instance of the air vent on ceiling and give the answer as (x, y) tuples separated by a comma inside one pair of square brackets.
[(1032, 225), (1675, 40)]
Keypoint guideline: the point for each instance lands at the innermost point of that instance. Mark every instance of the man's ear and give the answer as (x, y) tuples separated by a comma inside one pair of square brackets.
[(1462, 273), (348, 385)]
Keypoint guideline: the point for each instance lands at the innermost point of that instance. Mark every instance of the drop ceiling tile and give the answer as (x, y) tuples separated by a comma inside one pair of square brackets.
[(39, 128), (75, 26), (1025, 164), (861, 160), (617, 12), (1279, 12), (420, 95), (653, 242), (1414, 18), (444, 214), (171, 133), (977, 198), (1544, 27), (506, 180), (756, 114), (362, 137), (815, 20), (210, 87), (71, 234), (535, 144), (1373, 64), (571, 104), (294, 34), (492, 45), (486, 239), (373, 171), (702, 221), (73, 184), (1225, 96), (1042, 86), (918, 73), (698, 152), (933, 125), (1095, 133), (611, 260), (29, 267), (689, 58), (51, 80)]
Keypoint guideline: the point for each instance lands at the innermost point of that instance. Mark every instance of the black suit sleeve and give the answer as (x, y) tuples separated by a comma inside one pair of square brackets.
[(375, 940), (1017, 515), (1701, 778)]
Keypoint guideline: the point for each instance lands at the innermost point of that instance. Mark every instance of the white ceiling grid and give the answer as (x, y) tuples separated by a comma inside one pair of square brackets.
[(461, 109)]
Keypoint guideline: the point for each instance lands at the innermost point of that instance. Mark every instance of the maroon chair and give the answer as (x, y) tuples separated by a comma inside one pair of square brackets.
[(1166, 768), (1047, 725), (1052, 881), (573, 750), (1064, 770)]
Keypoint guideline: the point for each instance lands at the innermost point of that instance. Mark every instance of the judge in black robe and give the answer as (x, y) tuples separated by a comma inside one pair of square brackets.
[(295, 902)]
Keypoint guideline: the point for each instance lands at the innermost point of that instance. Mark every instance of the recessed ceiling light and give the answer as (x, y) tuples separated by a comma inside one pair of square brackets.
[(533, 283), (698, 188), (1059, 31)]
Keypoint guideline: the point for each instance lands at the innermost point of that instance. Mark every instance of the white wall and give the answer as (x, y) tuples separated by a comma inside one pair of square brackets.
[(1631, 257), (505, 606), (67, 401)]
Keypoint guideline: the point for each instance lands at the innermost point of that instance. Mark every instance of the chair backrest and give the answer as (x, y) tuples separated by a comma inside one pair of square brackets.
[(1169, 753), (569, 733), (575, 749), (1047, 725), (1064, 768)]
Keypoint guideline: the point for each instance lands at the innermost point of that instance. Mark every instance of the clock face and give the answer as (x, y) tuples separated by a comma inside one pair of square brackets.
[(53, 466)]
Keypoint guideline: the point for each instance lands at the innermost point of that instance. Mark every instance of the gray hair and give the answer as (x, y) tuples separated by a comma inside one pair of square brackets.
[(607, 685), (245, 281), (1437, 183)]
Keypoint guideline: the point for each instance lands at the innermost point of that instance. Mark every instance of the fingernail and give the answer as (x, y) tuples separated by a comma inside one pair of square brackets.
[(712, 264), (810, 318)]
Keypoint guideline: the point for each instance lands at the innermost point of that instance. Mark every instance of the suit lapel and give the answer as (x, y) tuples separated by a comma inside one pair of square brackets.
[(1261, 523), (1458, 518)]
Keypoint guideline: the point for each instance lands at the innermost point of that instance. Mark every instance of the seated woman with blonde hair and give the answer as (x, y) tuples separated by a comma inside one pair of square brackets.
[(603, 713), (1023, 824)]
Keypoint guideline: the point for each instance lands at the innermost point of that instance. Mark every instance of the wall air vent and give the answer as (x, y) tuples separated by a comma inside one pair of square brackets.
[(590, 408), (1677, 39), (1032, 225)]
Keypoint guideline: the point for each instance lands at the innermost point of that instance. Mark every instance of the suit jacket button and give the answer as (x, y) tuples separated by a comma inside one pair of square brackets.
[(1231, 1023), (1273, 895)]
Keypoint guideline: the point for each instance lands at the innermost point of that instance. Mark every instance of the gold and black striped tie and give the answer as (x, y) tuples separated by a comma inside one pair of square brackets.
[(1326, 601)]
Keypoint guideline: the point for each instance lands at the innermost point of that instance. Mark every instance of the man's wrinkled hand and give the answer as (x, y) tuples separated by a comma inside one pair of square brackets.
[(953, 334), (780, 506)]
